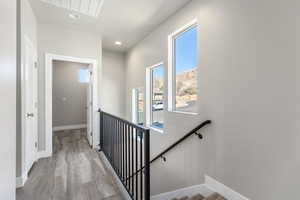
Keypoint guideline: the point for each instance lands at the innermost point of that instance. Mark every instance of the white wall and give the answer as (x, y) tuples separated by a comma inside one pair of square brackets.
[(248, 64), (69, 96), (62, 41), (8, 49), (113, 84)]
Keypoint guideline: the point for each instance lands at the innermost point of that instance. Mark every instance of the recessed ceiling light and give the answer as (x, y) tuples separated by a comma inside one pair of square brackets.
[(118, 43), (74, 16)]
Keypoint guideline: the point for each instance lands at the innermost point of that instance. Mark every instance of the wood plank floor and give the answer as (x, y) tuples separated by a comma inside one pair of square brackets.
[(75, 172)]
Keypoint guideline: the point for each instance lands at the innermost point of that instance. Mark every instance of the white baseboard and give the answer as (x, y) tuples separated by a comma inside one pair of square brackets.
[(20, 181), (222, 189), (119, 183), (69, 127), (43, 154), (188, 191)]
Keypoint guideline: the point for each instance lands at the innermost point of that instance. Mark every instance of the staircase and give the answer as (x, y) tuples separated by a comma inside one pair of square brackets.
[(214, 196), (120, 142)]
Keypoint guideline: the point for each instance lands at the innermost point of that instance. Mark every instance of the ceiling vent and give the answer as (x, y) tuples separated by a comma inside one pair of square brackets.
[(91, 8)]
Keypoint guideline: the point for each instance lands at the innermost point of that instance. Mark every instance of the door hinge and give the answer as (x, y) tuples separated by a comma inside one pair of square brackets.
[(35, 144), (35, 64), (91, 133)]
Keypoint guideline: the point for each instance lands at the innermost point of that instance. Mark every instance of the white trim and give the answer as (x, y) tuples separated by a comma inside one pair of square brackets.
[(69, 127), (42, 154), (182, 192), (156, 129), (21, 180), (134, 102), (48, 96), (148, 96), (171, 75), (120, 185), (185, 113), (156, 65), (223, 189)]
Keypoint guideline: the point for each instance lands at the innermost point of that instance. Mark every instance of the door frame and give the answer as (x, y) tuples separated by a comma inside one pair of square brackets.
[(49, 58)]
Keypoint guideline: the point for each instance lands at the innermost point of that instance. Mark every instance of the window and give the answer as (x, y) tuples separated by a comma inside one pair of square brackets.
[(84, 75), (155, 89), (138, 106), (183, 75)]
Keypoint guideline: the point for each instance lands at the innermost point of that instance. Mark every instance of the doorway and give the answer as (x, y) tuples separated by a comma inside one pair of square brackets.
[(72, 99), (86, 75)]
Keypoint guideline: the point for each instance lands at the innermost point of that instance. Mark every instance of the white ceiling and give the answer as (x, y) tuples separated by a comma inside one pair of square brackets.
[(128, 21)]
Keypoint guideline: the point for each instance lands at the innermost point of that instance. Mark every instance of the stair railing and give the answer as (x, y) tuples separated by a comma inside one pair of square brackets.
[(161, 155), (127, 147)]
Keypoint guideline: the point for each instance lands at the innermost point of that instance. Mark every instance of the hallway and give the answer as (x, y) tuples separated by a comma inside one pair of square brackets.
[(75, 172)]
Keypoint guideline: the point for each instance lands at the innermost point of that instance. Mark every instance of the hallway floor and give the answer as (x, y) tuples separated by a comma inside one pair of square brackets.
[(75, 172)]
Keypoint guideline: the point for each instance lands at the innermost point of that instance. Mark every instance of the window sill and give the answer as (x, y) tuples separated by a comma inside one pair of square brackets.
[(182, 112), (156, 129)]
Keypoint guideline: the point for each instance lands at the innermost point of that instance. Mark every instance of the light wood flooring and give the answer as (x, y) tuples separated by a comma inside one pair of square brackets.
[(74, 172)]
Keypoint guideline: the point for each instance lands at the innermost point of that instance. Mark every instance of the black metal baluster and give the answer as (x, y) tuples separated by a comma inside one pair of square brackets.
[(129, 156), (111, 141), (132, 159), (121, 152), (117, 146), (103, 128), (123, 142), (119, 142), (105, 135), (136, 164), (141, 165), (109, 138), (114, 143), (126, 153), (147, 164)]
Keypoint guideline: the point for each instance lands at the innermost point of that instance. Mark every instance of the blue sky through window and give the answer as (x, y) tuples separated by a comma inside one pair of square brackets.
[(158, 71), (186, 50), (83, 75)]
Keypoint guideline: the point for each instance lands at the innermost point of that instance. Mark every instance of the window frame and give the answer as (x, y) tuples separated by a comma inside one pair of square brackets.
[(148, 92), (134, 108), (135, 104), (172, 70)]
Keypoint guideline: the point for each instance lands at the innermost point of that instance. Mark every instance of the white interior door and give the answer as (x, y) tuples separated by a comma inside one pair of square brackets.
[(90, 108), (31, 99)]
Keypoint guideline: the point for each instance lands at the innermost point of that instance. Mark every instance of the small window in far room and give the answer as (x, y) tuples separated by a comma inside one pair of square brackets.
[(183, 69), (84, 75)]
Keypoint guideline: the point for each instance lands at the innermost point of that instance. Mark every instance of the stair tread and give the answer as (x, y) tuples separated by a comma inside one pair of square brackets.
[(197, 197), (215, 196), (184, 198)]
